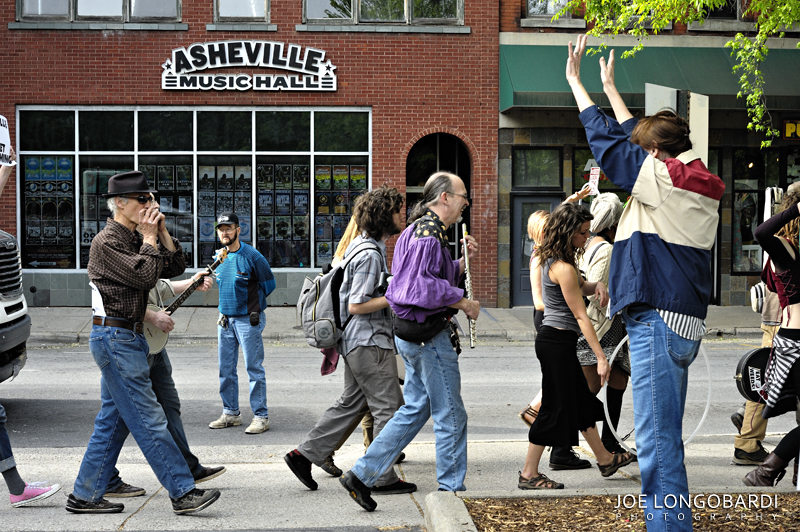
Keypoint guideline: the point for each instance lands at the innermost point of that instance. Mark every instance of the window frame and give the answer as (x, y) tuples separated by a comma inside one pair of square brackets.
[(410, 19), (254, 20), (559, 187), (740, 23), (72, 15)]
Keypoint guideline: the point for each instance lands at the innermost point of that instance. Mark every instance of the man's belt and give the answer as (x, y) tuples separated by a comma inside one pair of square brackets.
[(104, 321)]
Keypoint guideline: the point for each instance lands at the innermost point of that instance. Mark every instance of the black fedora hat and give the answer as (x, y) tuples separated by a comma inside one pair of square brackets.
[(127, 183)]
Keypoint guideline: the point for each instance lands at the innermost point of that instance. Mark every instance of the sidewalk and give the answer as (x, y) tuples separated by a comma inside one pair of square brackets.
[(69, 325)]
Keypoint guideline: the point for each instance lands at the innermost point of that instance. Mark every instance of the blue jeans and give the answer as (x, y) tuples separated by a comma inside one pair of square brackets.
[(6, 456), (128, 402), (240, 332), (167, 397), (432, 389), (660, 362)]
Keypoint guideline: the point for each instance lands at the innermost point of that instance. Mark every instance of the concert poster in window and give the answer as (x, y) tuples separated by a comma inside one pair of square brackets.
[(300, 176), (354, 195), (245, 234), (324, 253), (300, 204), (33, 176), (322, 177), (323, 202), (88, 231), (225, 178), (265, 247), (89, 204), (243, 178), (49, 184), (184, 204), (242, 206), (166, 178), (300, 228), (205, 203), (282, 254), (264, 228), (165, 204), (205, 228), (64, 176), (283, 202), (206, 178), (300, 254), (184, 229), (149, 171), (323, 229), (188, 253), (265, 201), (340, 202), (183, 174), (283, 176), (265, 177), (224, 202), (358, 177), (283, 228), (339, 225), (207, 252), (341, 177)]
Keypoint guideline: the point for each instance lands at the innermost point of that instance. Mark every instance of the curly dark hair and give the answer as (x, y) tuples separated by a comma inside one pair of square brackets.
[(374, 210), (558, 231), (664, 130), (790, 230)]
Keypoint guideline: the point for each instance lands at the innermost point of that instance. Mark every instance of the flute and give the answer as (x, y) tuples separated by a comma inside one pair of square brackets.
[(468, 286)]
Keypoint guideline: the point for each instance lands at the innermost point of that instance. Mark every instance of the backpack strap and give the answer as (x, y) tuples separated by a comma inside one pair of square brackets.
[(365, 246), (595, 250)]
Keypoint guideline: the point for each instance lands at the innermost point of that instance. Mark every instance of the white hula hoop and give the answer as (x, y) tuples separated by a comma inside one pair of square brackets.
[(605, 397)]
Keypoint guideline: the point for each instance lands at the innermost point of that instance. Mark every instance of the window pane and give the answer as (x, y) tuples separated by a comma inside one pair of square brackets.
[(45, 7), (154, 9), (772, 167), (224, 131), (792, 165), (46, 131), (341, 131), (748, 169), (435, 8), (536, 168), (105, 130), (544, 7), (100, 8), (165, 131), (94, 174), (329, 9), (746, 251), (383, 10), (421, 162), (243, 9), (278, 131), (726, 11)]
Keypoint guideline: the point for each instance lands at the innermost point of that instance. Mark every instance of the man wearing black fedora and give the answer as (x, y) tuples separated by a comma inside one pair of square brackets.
[(126, 260)]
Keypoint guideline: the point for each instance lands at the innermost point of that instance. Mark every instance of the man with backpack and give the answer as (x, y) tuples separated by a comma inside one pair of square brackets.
[(366, 343)]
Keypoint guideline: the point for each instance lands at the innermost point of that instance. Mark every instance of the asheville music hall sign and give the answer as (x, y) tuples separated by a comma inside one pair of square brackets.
[(306, 70)]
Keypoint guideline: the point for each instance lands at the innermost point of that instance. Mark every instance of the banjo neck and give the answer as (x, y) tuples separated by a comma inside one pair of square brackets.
[(192, 287)]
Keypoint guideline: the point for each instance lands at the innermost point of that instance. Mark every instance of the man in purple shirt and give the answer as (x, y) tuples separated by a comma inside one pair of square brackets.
[(423, 293)]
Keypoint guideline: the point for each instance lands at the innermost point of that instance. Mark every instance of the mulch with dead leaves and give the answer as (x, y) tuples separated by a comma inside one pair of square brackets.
[(570, 514)]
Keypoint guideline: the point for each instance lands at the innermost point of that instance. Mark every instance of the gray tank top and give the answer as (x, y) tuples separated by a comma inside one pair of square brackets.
[(556, 311)]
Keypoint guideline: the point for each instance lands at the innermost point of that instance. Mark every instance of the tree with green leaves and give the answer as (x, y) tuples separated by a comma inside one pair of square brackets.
[(642, 18)]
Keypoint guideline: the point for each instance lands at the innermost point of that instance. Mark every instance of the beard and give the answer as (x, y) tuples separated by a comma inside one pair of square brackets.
[(231, 240)]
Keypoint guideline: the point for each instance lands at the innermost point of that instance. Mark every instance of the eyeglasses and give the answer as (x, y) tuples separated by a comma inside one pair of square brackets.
[(226, 229), (144, 200), (465, 196)]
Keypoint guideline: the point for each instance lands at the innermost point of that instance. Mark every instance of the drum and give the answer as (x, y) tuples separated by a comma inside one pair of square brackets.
[(750, 373)]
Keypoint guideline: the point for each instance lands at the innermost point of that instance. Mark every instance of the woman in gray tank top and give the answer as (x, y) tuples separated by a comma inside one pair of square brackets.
[(568, 406)]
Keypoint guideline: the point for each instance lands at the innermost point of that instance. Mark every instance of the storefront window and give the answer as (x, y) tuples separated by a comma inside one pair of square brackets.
[(302, 198), (792, 165), (749, 166), (583, 161), (536, 167)]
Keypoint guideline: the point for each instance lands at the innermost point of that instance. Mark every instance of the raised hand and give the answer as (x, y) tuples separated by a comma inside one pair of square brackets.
[(574, 59), (607, 70)]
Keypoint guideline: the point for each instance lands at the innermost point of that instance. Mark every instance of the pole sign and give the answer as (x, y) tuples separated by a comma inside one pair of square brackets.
[(307, 70)]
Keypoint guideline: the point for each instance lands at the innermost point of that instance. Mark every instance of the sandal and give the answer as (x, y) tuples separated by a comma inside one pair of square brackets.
[(528, 412), (619, 460), (538, 483)]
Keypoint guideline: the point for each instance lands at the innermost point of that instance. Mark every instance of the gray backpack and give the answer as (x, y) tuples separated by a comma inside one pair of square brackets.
[(318, 305)]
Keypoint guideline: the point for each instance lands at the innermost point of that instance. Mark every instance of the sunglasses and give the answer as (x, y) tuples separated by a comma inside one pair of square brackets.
[(144, 199)]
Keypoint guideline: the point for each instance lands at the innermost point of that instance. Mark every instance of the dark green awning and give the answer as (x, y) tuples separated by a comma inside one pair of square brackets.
[(533, 76)]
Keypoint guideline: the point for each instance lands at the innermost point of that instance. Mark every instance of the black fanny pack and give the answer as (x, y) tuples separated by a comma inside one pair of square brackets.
[(413, 331)]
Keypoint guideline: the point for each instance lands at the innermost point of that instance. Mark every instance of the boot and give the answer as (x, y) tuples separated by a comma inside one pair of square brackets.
[(769, 473)]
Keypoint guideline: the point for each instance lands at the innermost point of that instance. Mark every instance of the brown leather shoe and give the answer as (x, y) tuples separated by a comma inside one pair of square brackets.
[(769, 473)]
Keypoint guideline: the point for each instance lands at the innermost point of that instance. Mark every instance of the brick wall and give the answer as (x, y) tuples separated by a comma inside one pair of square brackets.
[(416, 83)]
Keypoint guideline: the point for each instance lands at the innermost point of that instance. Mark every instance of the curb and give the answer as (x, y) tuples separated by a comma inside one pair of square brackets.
[(445, 511)]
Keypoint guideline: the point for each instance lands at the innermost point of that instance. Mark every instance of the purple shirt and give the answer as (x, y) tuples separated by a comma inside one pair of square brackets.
[(425, 278)]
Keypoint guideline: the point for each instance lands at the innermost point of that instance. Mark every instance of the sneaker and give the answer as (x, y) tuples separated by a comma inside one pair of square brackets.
[(225, 421), (194, 501), (755, 458), (259, 425), (301, 467), (207, 473), (562, 458), (35, 491), (400, 458), (395, 488), (125, 490), (330, 468), (77, 506), (737, 418), (358, 491)]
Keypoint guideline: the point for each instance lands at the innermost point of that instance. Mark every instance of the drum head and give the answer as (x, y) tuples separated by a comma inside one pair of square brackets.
[(750, 373)]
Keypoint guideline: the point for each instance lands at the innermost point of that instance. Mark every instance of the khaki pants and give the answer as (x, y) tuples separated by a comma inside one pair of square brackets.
[(754, 427)]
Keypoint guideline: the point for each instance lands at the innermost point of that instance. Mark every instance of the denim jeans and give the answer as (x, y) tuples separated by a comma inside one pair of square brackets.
[(660, 362), (6, 456), (432, 389), (240, 332), (167, 396), (128, 402)]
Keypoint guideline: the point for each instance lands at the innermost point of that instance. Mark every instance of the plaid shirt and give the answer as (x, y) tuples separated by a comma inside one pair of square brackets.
[(123, 270)]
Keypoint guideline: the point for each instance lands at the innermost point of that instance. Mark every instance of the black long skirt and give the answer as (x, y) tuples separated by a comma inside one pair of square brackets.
[(568, 407)]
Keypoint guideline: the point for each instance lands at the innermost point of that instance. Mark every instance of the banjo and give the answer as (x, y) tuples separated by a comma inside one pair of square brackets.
[(156, 338), (750, 373)]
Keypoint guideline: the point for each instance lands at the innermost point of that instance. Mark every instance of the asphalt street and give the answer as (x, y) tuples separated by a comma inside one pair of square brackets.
[(52, 404)]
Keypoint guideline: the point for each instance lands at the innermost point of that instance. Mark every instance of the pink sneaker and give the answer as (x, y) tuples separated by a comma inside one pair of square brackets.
[(35, 491)]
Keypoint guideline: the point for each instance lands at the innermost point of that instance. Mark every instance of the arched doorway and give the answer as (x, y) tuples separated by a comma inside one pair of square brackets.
[(435, 153)]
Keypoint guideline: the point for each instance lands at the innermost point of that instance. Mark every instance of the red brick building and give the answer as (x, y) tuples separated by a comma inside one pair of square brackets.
[(284, 111)]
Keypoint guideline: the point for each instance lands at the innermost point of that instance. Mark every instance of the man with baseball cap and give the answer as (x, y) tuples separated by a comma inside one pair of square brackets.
[(126, 260), (245, 280)]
